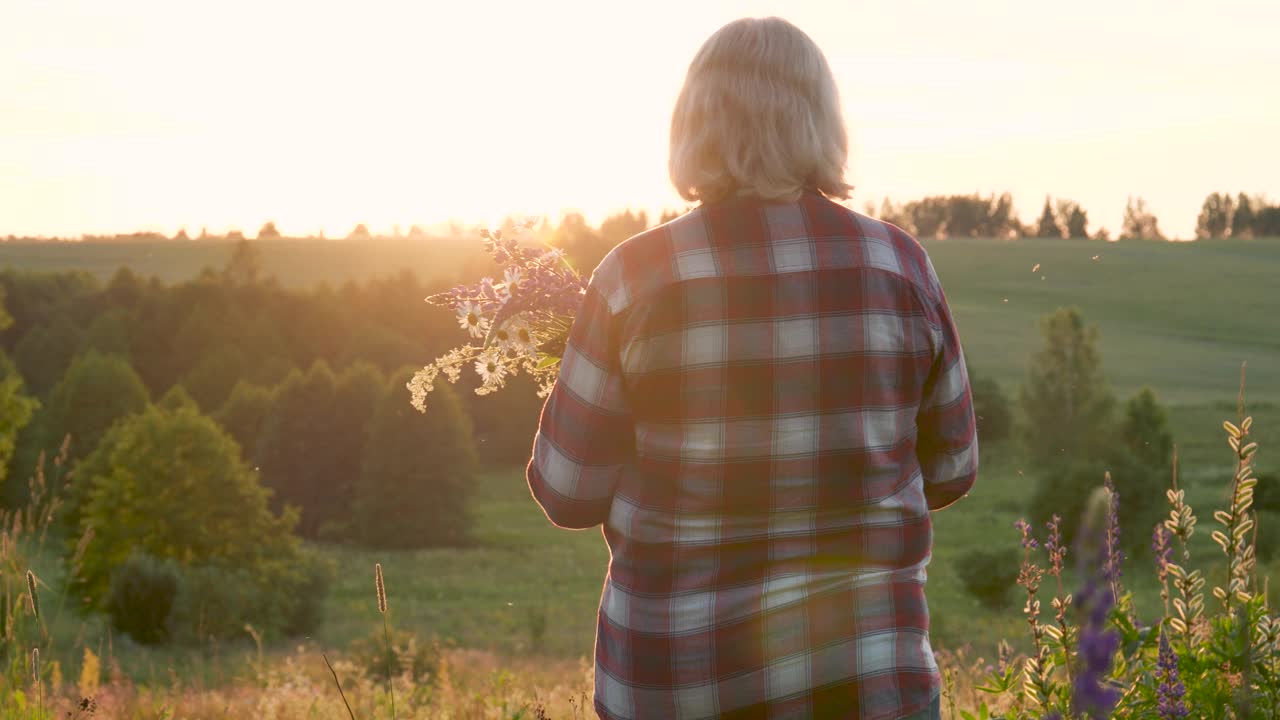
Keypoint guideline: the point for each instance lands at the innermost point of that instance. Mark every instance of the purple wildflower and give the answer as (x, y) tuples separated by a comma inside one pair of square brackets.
[(1092, 694), (1170, 691), (1114, 558), (1053, 544), (1028, 542), (1162, 549)]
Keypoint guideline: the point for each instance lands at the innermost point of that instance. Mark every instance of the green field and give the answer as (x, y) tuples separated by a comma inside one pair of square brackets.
[(1180, 318)]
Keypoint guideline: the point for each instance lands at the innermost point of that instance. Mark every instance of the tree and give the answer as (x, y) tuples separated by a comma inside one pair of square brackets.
[(1266, 223), (417, 472), (621, 226), (1002, 221), (360, 232), (16, 410), (991, 408), (669, 215), (1064, 399), (245, 264), (967, 215), (268, 231), (1048, 226), (1139, 222), (170, 484), (1242, 218), (45, 352), (1073, 219), (243, 415), (1215, 216), (928, 216), (1145, 430), (312, 442), (583, 246), (97, 391)]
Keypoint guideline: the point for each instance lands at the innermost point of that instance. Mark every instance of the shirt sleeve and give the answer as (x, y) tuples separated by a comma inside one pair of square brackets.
[(947, 446), (586, 436)]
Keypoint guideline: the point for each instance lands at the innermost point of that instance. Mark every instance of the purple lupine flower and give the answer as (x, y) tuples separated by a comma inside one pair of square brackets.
[(1028, 541), (1114, 558), (1092, 694), (1162, 549), (1170, 692), (1053, 544)]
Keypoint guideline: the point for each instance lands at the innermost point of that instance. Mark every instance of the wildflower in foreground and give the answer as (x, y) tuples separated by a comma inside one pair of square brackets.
[(470, 319), (1170, 692), (1092, 695)]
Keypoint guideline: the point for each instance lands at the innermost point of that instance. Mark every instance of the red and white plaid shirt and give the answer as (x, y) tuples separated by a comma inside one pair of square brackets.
[(761, 402)]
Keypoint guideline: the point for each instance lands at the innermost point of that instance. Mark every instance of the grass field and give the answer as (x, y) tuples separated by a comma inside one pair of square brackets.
[(1179, 317)]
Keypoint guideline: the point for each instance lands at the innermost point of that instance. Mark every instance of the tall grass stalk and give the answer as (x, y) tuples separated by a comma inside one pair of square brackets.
[(337, 682), (381, 589)]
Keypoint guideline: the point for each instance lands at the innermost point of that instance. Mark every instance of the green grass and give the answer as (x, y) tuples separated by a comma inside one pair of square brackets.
[(490, 595), (483, 596)]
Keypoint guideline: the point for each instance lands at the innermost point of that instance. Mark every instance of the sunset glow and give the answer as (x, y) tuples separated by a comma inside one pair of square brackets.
[(129, 115)]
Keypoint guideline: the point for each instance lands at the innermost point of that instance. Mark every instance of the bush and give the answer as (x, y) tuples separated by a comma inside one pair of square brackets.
[(141, 597), (988, 575), (171, 484), (418, 471), (995, 419), (1065, 490), (1145, 430), (1267, 541), (305, 610), (408, 655), (215, 602), (1266, 494)]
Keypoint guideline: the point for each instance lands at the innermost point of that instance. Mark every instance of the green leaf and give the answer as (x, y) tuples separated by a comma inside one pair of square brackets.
[(547, 362)]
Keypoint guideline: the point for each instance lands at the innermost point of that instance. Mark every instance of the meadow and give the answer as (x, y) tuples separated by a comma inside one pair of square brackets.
[(1179, 317), (515, 611)]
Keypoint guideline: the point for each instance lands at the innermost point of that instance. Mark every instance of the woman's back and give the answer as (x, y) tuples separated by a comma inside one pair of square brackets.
[(761, 401)]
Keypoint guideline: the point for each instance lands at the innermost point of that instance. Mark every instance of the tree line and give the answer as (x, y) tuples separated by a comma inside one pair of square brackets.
[(931, 217)]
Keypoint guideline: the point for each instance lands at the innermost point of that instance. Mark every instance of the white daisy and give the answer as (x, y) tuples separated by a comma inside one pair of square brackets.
[(491, 369), (513, 277), (521, 337), (470, 319)]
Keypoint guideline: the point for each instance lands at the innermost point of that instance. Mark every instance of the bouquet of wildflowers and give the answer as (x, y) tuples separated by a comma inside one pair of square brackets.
[(519, 323)]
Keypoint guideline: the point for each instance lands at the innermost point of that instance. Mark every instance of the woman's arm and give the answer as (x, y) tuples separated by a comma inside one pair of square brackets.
[(586, 436)]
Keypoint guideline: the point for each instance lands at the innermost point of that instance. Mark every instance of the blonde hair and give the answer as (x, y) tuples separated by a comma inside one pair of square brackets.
[(759, 114)]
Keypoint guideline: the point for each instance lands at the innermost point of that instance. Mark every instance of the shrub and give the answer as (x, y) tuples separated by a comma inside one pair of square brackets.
[(1267, 541), (1145, 430), (305, 610), (995, 419), (418, 470), (141, 596), (1266, 494), (171, 484), (409, 655), (989, 575), (1064, 491), (216, 601)]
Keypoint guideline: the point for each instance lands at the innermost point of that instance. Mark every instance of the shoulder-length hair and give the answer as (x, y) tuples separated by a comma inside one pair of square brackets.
[(759, 114)]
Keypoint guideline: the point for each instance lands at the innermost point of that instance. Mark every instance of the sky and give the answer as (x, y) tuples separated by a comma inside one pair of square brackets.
[(127, 115)]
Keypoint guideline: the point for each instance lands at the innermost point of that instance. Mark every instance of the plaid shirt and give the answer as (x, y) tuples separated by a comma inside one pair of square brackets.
[(761, 402)]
